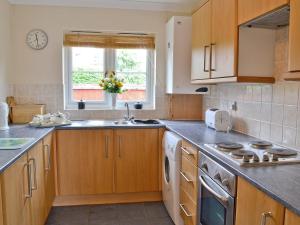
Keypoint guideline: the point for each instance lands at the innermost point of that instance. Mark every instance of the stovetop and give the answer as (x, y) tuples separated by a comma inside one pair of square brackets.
[(256, 153)]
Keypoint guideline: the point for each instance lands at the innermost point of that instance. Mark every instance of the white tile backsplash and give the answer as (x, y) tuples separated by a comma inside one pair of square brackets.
[(290, 116)]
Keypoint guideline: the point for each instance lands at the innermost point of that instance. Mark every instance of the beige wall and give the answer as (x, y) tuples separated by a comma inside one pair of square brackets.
[(270, 112), (39, 69), (5, 46)]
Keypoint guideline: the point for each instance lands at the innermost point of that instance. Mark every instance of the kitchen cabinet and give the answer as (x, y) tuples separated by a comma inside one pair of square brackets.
[(189, 183), (1, 209), (253, 206), (201, 42), (291, 218), (48, 151), (16, 190), (223, 39), (294, 37), (249, 10), (136, 159), (38, 199), (85, 162)]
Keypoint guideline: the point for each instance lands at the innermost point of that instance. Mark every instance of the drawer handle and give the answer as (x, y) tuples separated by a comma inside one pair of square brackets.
[(185, 177), (187, 152), (29, 182), (264, 217), (184, 210)]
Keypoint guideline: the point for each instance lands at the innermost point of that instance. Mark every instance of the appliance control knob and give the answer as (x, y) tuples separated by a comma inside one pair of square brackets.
[(226, 183), (218, 177), (275, 157), (266, 158), (205, 167), (246, 159), (255, 158)]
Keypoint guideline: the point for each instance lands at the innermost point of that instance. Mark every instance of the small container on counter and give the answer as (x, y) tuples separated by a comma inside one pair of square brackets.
[(81, 104), (138, 105)]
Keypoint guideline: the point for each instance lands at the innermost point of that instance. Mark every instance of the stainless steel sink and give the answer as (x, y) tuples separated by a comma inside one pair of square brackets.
[(148, 122)]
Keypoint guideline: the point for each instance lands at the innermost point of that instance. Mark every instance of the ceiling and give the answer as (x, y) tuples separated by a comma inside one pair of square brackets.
[(156, 5)]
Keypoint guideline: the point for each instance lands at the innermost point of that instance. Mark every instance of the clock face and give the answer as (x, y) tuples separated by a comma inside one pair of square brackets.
[(37, 39)]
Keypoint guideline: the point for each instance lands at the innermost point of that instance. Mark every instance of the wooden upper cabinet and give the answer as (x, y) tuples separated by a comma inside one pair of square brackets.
[(85, 162), (201, 42), (251, 9), (294, 37), (48, 151), (291, 218), (16, 193), (38, 199), (136, 159), (224, 38), (252, 204)]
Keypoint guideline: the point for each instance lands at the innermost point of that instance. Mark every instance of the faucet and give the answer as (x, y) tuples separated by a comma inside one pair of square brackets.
[(128, 117)]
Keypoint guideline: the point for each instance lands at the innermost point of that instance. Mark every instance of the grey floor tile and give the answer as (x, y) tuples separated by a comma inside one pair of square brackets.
[(155, 210), (117, 214)]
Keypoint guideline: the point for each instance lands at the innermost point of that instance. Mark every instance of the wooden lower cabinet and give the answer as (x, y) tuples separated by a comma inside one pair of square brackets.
[(137, 160), (291, 218), (252, 204), (48, 151), (16, 193), (85, 162), (38, 199)]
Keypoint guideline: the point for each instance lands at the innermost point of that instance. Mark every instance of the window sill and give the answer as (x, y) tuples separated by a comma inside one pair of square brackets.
[(88, 108)]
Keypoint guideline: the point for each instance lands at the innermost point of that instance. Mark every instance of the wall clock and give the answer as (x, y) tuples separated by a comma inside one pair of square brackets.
[(37, 39)]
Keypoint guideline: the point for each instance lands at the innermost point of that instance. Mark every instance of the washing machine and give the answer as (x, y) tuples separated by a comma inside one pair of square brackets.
[(171, 176)]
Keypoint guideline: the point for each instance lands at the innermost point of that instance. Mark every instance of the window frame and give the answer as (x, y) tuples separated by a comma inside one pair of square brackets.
[(109, 64)]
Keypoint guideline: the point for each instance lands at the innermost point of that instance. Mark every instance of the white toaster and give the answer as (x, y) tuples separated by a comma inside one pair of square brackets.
[(218, 119)]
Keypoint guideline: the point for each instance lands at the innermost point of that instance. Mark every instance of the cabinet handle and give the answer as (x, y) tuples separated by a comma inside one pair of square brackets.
[(211, 57), (186, 151), (48, 151), (29, 184), (185, 177), (106, 147), (264, 217), (120, 139), (204, 66), (182, 206), (34, 187)]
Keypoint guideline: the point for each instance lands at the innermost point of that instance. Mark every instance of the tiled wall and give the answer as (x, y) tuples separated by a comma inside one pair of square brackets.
[(270, 112), (52, 96)]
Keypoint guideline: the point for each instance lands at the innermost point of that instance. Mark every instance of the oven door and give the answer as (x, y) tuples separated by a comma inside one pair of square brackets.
[(216, 206)]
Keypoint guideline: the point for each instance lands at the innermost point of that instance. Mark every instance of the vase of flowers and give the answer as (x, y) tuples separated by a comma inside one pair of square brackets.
[(112, 85)]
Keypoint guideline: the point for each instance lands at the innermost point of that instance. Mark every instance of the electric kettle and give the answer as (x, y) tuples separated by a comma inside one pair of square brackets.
[(3, 116)]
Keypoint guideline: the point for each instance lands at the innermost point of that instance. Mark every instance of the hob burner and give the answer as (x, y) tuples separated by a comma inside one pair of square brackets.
[(281, 152), (229, 146), (241, 153), (260, 144)]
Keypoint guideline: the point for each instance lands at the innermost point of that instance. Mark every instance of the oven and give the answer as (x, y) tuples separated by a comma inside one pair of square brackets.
[(216, 195)]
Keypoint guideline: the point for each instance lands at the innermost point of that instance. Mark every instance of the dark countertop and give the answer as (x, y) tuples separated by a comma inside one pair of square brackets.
[(8, 157), (280, 182)]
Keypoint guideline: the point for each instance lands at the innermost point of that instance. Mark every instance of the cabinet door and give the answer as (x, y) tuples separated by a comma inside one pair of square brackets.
[(294, 37), (249, 10), (251, 204), (291, 218), (201, 39), (224, 38), (137, 160), (85, 162), (48, 150), (16, 193), (38, 200)]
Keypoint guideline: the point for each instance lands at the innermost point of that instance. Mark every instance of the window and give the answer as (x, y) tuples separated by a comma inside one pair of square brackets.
[(85, 66)]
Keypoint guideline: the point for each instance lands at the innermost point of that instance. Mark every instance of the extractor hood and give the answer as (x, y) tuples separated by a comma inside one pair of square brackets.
[(274, 20)]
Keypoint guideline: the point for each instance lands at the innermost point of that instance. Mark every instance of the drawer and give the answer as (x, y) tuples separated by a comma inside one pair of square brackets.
[(190, 152), (189, 179), (188, 209)]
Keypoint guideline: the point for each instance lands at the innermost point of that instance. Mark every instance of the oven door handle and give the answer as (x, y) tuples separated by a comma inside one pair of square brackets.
[(223, 199)]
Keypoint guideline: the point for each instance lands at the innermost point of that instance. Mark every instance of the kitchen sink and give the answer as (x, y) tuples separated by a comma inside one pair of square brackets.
[(13, 143), (145, 122)]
